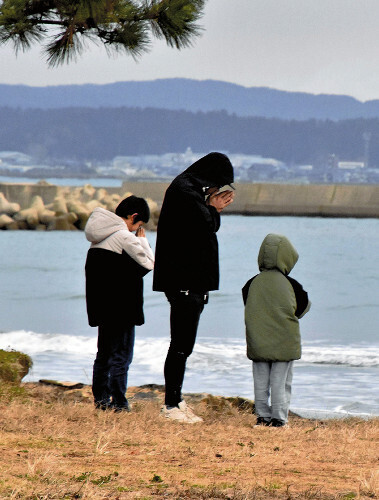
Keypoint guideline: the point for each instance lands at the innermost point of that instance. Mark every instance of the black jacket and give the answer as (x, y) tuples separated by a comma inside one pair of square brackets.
[(186, 255), (114, 288), (116, 264)]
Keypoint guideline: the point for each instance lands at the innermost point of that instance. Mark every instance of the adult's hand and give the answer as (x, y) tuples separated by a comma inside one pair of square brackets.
[(221, 200)]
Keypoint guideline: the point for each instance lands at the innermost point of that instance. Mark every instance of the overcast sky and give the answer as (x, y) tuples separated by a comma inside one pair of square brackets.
[(317, 46)]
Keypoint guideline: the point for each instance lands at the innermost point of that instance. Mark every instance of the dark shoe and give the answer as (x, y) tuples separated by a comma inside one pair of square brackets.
[(276, 423), (262, 421), (99, 405), (120, 409)]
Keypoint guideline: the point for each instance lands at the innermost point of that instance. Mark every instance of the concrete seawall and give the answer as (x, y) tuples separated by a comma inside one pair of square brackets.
[(335, 200), (327, 200)]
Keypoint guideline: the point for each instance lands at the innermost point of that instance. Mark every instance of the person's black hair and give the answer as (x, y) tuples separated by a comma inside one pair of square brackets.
[(134, 205)]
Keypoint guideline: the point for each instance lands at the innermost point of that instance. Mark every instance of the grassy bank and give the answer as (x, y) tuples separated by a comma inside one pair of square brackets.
[(53, 444)]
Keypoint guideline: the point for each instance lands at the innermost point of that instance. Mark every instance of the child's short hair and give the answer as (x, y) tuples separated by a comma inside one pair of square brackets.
[(134, 205)]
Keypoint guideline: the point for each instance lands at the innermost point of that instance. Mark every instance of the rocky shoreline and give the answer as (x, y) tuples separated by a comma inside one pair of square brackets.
[(76, 392), (14, 366)]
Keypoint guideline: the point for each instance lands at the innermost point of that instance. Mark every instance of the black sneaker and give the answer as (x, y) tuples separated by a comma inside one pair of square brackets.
[(100, 405), (120, 409), (275, 422), (262, 421)]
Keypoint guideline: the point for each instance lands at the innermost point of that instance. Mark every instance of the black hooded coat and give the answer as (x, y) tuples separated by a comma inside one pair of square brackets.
[(186, 255)]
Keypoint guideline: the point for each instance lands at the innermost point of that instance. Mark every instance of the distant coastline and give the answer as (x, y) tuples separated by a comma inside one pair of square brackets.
[(312, 200)]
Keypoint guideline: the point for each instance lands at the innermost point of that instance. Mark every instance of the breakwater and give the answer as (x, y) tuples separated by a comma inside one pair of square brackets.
[(43, 206), (323, 200), (47, 200)]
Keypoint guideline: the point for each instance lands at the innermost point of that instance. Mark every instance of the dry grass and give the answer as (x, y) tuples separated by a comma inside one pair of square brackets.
[(55, 448)]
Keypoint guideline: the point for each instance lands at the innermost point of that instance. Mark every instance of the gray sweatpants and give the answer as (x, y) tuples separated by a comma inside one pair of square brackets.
[(272, 379)]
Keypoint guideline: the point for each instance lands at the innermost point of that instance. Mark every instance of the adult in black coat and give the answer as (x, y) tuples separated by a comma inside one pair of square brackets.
[(186, 262)]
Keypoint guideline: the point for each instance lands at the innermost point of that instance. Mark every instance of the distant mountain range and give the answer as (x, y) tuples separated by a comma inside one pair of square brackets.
[(191, 95)]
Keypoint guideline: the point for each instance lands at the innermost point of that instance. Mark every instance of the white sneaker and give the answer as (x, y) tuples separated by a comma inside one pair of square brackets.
[(189, 412), (176, 414)]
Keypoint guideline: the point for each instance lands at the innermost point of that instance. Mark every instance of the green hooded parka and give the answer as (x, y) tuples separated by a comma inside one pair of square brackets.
[(274, 303)]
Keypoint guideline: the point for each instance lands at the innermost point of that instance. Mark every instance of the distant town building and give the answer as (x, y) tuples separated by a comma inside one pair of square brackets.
[(350, 165), (14, 158), (164, 167)]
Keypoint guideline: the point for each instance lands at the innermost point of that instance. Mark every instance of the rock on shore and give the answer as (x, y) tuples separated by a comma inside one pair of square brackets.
[(71, 392), (14, 366)]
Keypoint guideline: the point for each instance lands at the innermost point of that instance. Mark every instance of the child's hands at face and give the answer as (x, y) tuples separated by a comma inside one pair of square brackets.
[(141, 232)]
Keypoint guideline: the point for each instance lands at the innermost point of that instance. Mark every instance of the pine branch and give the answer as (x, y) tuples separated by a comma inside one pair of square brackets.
[(175, 21), (62, 27)]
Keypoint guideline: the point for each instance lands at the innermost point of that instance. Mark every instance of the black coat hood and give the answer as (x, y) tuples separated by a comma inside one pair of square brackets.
[(186, 250), (214, 169)]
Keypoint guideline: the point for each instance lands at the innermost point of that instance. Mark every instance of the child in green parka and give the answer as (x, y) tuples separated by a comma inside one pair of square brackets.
[(274, 303)]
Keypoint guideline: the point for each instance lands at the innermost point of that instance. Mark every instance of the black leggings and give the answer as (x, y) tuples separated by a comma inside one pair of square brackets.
[(186, 309)]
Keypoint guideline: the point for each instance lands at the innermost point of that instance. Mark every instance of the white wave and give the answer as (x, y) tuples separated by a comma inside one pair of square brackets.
[(208, 354), (216, 366), (336, 413), (364, 356), (33, 343), (230, 353)]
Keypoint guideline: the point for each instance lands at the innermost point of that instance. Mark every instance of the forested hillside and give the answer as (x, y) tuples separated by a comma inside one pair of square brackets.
[(101, 134)]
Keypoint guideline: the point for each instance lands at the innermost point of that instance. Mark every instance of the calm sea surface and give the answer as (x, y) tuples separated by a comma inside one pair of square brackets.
[(42, 311)]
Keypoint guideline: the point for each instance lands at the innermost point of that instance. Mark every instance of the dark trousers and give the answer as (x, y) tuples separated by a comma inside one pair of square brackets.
[(184, 320), (110, 370)]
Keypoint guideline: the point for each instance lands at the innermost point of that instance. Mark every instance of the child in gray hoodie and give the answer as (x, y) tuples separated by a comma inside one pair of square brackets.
[(117, 261)]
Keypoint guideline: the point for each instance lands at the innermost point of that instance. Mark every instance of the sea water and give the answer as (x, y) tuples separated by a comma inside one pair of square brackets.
[(42, 312)]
